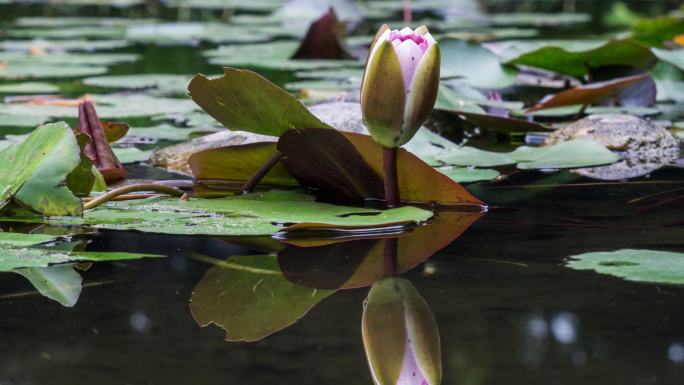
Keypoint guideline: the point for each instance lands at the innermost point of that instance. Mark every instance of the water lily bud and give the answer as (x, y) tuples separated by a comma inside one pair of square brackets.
[(400, 84), (400, 335)]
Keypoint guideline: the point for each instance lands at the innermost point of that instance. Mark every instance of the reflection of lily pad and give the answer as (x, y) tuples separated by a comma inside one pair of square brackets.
[(252, 214), (250, 298), (635, 265)]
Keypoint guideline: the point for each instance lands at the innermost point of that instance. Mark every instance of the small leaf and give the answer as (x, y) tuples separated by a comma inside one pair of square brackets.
[(655, 266)]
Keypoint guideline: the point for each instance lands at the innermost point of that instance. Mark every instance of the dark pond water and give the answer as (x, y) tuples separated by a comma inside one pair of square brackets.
[(508, 309)]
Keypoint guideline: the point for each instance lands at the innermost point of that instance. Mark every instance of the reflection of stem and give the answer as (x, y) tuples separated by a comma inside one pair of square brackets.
[(389, 254), (389, 168), (407, 12), (261, 172), (132, 188)]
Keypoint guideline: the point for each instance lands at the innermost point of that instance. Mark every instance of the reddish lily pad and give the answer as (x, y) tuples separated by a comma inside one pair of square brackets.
[(587, 94)]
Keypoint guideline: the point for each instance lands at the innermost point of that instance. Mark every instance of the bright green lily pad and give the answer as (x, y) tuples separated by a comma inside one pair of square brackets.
[(477, 65), (467, 174), (28, 88), (570, 154), (249, 298), (252, 214), (35, 171), (15, 258), (576, 58), (664, 267), (21, 120), (131, 154), (44, 71), (20, 239), (158, 84)]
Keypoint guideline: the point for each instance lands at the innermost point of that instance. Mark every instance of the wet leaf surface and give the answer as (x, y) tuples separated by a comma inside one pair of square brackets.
[(251, 214), (236, 100), (476, 64), (664, 267)]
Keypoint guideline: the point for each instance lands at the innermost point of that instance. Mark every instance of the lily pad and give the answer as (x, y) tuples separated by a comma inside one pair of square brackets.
[(570, 154), (468, 174), (237, 101), (576, 58), (71, 59), (15, 258), (21, 120), (587, 94), (34, 172), (20, 239), (127, 155), (28, 88), (476, 64), (60, 283), (674, 57), (44, 71), (252, 214), (665, 267), (249, 298), (61, 45), (78, 32), (158, 84)]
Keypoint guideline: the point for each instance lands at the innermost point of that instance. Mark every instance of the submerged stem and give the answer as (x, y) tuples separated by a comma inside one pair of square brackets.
[(390, 179), (261, 172), (132, 188)]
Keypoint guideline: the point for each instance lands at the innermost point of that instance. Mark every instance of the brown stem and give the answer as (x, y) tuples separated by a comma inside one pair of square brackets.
[(391, 181), (389, 256), (261, 172), (132, 188)]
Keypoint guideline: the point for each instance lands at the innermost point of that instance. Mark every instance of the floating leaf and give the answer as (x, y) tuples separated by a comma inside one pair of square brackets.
[(158, 84), (587, 94), (317, 165), (238, 164), (467, 174), (34, 171), (45, 71), (15, 258), (571, 154), (20, 240), (28, 88), (656, 31), (237, 100), (664, 267), (251, 214), (21, 120), (674, 57), (249, 298), (128, 155), (479, 66), (576, 58)]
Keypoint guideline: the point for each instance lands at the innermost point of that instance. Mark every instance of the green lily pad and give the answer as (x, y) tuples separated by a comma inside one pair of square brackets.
[(27, 88), (78, 21), (467, 174), (21, 120), (35, 171), (70, 59), (20, 239), (674, 57), (252, 214), (576, 58), (15, 258), (571, 154), (79, 32), (477, 65), (656, 31), (158, 84), (190, 32), (114, 107), (249, 298), (44, 71), (127, 155), (237, 101), (62, 45), (664, 267)]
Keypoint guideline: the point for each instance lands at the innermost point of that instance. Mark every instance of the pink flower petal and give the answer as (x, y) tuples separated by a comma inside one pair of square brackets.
[(409, 56)]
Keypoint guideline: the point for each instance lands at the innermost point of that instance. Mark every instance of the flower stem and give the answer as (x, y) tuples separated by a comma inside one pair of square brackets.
[(408, 14), (389, 168), (131, 188), (261, 172)]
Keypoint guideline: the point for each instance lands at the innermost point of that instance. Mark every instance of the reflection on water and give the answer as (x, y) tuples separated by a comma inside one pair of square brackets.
[(506, 308)]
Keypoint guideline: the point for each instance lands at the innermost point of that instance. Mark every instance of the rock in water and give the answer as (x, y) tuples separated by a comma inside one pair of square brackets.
[(643, 146)]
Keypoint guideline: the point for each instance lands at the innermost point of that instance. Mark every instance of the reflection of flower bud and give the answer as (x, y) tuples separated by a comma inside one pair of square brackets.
[(400, 84), (400, 335)]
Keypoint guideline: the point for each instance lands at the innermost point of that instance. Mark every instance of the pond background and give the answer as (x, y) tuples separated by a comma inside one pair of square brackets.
[(508, 309)]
